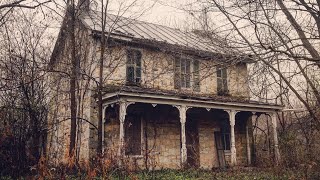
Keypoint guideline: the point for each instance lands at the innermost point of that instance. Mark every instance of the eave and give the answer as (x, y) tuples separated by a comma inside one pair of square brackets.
[(120, 39), (115, 97)]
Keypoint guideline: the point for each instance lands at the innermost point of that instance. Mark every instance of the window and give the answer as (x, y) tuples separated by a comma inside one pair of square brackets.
[(225, 136), (182, 74), (222, 83), (133, 135), (196, 75), (133, 66)]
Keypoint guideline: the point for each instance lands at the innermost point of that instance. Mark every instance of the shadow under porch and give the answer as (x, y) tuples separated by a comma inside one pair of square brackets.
[(152, 136)]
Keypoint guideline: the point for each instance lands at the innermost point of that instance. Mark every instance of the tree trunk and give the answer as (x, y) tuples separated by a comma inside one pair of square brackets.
[(73, 80)]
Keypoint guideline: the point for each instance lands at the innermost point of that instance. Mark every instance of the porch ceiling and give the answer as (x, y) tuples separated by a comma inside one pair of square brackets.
[(115, 94)]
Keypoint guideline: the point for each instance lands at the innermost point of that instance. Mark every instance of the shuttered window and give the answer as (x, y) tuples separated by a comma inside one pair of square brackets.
[(196, 75), (133, 135), (183, 73), (133, 66), (222, 82), (177, 74)]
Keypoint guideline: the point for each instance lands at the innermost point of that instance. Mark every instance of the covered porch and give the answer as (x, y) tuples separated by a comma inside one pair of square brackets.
[(170, 131)]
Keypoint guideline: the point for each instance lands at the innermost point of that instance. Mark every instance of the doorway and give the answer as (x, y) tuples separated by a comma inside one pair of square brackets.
[(192, 142)]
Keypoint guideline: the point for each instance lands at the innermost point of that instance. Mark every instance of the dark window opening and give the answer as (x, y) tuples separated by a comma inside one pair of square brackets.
[(133, 67), (222, 82), (196, 75), (225, 136), (133, 135)]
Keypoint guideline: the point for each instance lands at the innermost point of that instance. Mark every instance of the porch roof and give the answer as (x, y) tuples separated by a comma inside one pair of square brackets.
[(147, 95)]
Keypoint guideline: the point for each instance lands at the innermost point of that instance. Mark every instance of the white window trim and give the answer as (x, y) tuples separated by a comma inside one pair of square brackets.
[(192, 75), (221, 79), (134, 65)]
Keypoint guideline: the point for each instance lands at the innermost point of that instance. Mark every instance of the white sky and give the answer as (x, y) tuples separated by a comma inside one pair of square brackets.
[(164, 12)]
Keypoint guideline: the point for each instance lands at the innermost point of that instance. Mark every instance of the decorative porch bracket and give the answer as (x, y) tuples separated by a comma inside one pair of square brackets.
[(183, 117), (275, 137), (232, 118)]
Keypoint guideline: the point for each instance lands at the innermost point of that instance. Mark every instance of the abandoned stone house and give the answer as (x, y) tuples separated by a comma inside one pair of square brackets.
[(171, 98)]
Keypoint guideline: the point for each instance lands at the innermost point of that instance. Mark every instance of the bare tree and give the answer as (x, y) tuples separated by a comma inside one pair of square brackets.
[(283, 39), (8, 6), (23, 93)]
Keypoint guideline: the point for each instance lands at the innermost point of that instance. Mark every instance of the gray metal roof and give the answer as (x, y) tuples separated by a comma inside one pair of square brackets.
[(139, 30)]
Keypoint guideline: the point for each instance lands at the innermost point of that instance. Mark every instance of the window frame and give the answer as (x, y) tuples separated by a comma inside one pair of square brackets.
[(222, 80), (135, 62), (196, 75), (185, 76), (226, 134), (226, 146)]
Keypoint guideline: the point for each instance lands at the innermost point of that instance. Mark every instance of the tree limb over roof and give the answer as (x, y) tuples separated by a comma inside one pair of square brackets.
[(163, 38)]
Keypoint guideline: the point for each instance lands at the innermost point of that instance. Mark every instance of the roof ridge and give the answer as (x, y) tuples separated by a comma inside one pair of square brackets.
[(143, 31), (142, 21)]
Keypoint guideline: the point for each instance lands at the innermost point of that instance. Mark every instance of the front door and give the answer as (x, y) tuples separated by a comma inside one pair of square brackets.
[(220, 148), (192, 138)]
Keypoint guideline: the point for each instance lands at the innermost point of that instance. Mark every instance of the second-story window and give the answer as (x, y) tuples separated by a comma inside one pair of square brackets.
[(185, 69), (133, 66), (222, 82), (196, 75)]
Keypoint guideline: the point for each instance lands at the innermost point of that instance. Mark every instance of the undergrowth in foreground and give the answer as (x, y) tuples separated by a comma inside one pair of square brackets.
[(232, 174)]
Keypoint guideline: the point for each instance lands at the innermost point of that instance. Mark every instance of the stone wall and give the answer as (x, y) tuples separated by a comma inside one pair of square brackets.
[(59, 83), (157, 71), (208, 150)]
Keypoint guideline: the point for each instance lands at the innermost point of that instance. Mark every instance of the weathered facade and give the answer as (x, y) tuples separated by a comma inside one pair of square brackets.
[(171, 99)]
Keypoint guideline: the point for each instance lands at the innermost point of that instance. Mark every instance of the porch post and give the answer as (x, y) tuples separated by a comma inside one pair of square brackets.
[(103, 123), (232, 117), (122, 116), (182, 112), (275, 137)]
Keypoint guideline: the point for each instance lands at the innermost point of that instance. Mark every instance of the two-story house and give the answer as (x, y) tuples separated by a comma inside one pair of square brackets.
[(171, 98)]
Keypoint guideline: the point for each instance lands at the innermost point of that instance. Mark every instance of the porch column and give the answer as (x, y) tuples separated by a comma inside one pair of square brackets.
[(103, 124), (275, 137), (182, 113), (232, 117), (122, 117)]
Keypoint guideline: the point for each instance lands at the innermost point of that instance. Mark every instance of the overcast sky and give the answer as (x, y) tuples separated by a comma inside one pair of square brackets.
[(164, 12)]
